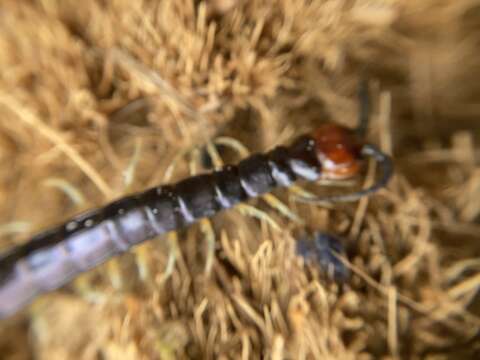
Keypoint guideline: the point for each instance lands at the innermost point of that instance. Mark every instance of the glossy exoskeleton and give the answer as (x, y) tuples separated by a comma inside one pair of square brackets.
[(52, 258)]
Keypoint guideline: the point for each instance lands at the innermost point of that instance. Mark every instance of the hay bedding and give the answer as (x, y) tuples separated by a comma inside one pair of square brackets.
[(97, 98)]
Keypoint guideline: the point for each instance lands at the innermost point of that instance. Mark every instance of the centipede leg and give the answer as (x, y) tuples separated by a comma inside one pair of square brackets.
[(192, 164), (173, 252), (252, 211), (73, 193), (207, 230), (233, 144), (299, 192), (142, 256), (173, 164), (114, 273), (275, 203)]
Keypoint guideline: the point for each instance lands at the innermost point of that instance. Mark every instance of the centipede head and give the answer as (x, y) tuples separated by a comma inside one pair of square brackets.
[(339, 151)]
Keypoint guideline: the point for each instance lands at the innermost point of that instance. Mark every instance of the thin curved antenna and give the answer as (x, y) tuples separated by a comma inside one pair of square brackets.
[(365, 107), (386, 167)]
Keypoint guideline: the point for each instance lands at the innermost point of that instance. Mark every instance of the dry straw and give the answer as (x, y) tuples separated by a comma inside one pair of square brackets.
[(99, 99)]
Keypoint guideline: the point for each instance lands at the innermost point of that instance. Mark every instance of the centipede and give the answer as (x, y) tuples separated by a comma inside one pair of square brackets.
[(53, 257)]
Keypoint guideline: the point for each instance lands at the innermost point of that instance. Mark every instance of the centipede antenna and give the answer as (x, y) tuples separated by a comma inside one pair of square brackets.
[(386, 167), (365, 107)]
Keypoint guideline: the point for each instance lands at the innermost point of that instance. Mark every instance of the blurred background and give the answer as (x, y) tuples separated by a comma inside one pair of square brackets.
[(99, 99)]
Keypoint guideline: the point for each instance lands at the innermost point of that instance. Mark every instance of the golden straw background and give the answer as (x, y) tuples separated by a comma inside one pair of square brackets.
[(99, 99)]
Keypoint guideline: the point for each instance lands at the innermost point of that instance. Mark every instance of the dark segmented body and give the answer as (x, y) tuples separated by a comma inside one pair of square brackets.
[(322, 249), (52, 258)]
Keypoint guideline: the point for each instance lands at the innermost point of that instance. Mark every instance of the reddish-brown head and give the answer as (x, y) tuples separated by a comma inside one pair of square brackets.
[(338, 150)]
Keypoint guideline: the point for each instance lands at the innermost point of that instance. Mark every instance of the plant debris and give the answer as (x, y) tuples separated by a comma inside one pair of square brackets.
[(100, 99)]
